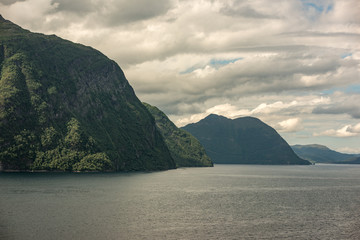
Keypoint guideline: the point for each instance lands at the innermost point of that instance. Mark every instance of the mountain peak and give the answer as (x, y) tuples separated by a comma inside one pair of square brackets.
[(9, 28), (3, 20), (215, 116), (319, 146), (245, 140)]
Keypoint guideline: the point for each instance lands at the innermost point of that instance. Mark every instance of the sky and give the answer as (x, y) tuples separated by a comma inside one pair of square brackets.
[(294, 64)]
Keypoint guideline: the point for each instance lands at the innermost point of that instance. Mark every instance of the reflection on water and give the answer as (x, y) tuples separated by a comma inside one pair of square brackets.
[(224, 202)]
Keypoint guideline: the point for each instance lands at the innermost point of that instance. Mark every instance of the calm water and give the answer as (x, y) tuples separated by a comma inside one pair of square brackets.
[(224, 202)]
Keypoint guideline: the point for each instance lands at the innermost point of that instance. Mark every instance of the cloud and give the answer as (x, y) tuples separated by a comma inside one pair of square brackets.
[(244, 9), (121, 12), (278, 106), (290, 125), (348, 104), (28, 13), (255, 73), (77, 7), (298, 60), (355, 129), (9, 2), (348, 150), (345, 131), (271, 113), (90, 16), (226, 110), (212, 64)]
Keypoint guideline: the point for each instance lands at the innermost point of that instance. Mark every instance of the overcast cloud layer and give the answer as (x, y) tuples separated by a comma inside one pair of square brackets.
[(295, 64)]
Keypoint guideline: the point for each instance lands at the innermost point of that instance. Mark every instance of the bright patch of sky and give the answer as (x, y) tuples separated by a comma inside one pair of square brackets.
[(345, 55), (318, 6), (315, 8), (353, 89), (310, 5), (222, 62), (213, 63)]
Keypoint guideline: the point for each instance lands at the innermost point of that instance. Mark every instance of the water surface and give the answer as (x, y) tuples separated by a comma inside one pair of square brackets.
[(224, 202)]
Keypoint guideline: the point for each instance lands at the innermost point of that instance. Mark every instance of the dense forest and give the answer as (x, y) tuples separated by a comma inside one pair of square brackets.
[(67, 107), (185, 149)]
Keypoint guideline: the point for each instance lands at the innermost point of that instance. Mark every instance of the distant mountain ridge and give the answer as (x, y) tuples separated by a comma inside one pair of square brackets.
[(322, 154), (67, 107), (353, 160), (185, 149), (244, 140)]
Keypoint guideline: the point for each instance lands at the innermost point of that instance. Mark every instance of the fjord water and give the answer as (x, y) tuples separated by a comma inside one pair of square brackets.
[(223, 202)]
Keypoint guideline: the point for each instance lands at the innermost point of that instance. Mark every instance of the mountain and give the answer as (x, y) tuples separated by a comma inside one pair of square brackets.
[(321, 154), (185, 149), (353, 160), (65, 106), (244, 140)]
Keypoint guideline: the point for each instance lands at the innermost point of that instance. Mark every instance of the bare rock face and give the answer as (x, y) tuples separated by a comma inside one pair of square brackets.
[(65, 106)]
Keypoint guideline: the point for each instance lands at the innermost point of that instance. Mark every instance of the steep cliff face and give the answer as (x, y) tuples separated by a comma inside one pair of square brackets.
[(66, 106), (184, 148), (244, 140)]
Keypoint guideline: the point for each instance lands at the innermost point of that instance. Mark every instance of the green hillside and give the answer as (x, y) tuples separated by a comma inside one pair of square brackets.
[(184, 148), (65, 106)]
